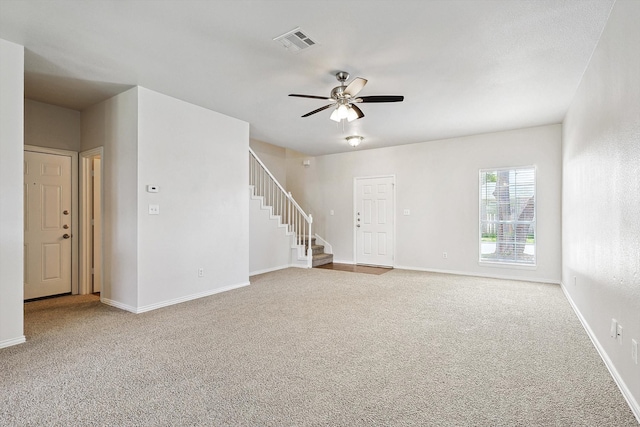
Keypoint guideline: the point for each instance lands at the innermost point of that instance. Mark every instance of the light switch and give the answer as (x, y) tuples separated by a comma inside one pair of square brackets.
[(154, 209), (331, 212)]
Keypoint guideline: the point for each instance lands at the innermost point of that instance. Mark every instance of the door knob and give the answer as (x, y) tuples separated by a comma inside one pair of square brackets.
[(66, 236), (65, 212)]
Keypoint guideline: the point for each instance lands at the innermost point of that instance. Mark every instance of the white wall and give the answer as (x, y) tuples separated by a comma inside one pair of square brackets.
[(11, 193), (273, 157), (601, 194), (51, 126), (113, 124), (438, 182), (199, 159), (270, 245)]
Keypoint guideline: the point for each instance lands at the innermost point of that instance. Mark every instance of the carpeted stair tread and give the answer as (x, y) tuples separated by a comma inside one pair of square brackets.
[(322, 259)]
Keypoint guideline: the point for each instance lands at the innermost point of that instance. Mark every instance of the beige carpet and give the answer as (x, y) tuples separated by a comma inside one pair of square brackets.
[(315, 348)]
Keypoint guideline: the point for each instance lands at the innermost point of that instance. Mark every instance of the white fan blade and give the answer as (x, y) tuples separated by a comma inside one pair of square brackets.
[(355, 86)]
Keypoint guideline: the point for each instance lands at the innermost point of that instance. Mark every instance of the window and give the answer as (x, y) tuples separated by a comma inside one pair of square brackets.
[(508, 216)]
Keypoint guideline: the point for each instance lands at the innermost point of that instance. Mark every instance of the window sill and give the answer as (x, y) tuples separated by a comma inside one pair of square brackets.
[(508, 265)]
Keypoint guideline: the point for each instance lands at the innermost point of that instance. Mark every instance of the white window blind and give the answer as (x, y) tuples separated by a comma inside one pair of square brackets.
[(508, 216)]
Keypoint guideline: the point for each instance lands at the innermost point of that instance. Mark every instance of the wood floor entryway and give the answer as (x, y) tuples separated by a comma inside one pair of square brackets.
[(355, 268)]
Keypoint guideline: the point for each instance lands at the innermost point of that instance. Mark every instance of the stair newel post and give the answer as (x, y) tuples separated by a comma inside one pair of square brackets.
[(309, 252), (289, 210)]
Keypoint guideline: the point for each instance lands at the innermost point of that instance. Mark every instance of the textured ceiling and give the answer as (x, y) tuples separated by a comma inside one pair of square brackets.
[(464, 67)]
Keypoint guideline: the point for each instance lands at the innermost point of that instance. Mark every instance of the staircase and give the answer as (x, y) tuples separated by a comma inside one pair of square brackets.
[(318, 257), (282, 206)]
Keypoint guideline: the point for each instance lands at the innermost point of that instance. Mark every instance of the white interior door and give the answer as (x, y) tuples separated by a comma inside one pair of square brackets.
[(47, 224), (97, 225), (374, 220)]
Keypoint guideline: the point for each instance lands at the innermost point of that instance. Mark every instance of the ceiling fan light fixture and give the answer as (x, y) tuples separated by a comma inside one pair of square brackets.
[(343, 111), (354, 140), (343, 98), (351, 115)]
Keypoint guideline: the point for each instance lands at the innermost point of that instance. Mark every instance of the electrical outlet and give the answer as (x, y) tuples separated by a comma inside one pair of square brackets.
[(619, 334), (154, 209), (406, 212), (613, 331), (634, 351), (201, 272), (444, 255)]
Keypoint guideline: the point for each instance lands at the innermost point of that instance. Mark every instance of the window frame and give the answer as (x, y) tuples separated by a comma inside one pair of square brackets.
[(502, 262)]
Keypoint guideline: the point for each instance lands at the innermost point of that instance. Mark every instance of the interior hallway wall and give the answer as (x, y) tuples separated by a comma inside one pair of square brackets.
[(273, 157), (11, 193), (51, 126), (198, 160), (601, 194), (113, 124)]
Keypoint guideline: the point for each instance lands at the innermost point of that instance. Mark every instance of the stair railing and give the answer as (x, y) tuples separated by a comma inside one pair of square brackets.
[(267, 186)]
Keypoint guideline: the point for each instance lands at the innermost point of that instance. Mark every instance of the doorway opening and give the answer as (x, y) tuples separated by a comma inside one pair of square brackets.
[(91, 220)]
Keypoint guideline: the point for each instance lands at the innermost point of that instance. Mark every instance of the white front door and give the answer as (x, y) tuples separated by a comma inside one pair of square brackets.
[(374, 220), (47, 224)]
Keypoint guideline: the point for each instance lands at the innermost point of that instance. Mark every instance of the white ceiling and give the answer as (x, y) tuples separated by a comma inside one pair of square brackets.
[(464, 67)]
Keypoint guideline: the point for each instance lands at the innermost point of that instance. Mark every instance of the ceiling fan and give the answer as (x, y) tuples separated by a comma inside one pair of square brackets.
[(344, 98)]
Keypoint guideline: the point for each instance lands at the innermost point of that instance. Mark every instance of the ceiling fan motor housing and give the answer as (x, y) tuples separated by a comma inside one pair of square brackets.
[(338, 92)]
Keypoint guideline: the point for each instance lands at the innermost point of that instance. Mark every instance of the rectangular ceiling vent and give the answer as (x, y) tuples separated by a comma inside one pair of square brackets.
[(295, 40)]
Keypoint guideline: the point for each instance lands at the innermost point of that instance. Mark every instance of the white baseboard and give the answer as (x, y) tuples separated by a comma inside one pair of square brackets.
[(339, 261), (167, 303), (269, 270), (633, 404), (12, 341), (189, 297), (475, 274), (117, 304), (299, 266)]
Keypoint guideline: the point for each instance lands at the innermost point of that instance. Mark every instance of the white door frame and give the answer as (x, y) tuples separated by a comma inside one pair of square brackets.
[(86, 199), (355, 208), (74, 206)]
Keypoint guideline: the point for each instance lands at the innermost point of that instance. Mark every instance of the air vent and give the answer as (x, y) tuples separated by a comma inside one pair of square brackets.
[(295, 40)]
